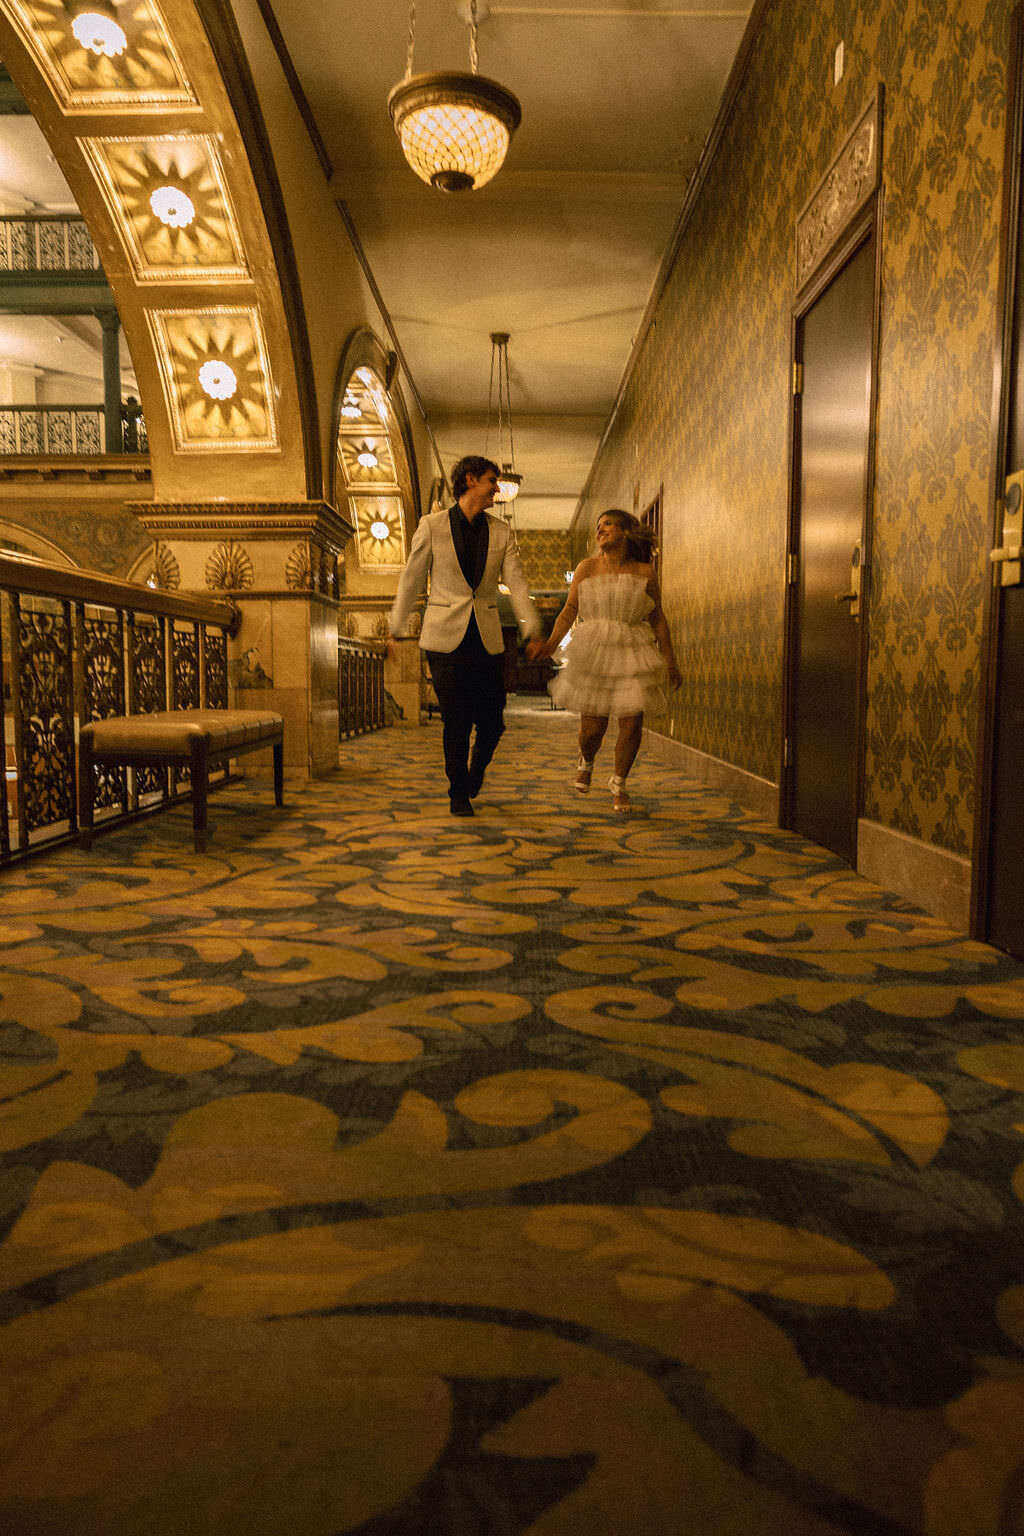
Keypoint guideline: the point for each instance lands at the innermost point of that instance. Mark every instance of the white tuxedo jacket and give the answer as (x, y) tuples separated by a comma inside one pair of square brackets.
[(451, 600)]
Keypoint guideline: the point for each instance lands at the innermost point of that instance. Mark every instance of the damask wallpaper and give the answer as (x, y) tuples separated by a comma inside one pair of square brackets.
[(546, 556), (706, 410)]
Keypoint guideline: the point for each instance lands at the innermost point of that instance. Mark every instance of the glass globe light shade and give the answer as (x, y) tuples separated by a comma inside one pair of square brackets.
[(380, 531), (99, 33), (368, 459), (172, 207), (508, 485), (218, 380), (454, 129)]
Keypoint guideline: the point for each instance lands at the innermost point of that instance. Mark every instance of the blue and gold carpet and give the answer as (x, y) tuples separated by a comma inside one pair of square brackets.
[(547, 1173)]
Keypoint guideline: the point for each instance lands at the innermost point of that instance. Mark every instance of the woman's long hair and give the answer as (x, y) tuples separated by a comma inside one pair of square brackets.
[(640, 540)]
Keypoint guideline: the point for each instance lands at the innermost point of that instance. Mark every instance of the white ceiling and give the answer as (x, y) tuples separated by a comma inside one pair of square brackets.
[(561, 250)]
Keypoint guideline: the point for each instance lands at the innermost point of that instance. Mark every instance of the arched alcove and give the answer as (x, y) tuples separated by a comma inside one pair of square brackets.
[(373, 474)]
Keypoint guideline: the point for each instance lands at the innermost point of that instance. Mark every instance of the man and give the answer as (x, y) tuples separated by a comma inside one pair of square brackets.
[(465, 551)]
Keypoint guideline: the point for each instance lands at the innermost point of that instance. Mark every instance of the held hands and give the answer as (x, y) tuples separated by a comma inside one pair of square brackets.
[(537, 650)]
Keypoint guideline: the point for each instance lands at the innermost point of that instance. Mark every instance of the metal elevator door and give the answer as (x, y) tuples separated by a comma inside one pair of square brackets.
[(835, 344)]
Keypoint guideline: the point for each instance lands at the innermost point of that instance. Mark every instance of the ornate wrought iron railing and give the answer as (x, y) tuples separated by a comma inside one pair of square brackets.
[(360, 687), (67, 429), (76, 646), (41, 242)]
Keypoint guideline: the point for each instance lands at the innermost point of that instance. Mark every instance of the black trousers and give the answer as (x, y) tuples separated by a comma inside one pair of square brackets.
[(470, 687)]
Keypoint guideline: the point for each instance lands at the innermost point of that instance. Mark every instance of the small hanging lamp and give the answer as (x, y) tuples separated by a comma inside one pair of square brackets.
[(500, 389), (454, 129)]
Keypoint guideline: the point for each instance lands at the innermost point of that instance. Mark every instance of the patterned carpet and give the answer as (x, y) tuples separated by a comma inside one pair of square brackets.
[(551, 1172)]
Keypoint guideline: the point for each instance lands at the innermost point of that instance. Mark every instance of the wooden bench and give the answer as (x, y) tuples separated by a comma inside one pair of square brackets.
[(196, 739)]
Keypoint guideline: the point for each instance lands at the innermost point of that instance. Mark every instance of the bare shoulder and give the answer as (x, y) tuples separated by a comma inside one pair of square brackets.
[(587, 566)]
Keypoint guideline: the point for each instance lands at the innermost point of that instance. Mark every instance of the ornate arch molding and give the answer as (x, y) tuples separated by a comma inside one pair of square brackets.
[(178, 109), (25, 541), (849, 183), (383, 495)]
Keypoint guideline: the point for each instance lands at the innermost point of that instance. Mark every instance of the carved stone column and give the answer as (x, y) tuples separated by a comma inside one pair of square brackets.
[(279, 562)]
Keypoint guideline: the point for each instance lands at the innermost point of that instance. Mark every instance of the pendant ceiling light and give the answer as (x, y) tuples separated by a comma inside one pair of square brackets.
[(500, 392), (454, 129)]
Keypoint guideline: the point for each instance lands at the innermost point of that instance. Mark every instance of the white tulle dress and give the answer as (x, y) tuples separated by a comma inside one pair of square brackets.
[(612, 662)]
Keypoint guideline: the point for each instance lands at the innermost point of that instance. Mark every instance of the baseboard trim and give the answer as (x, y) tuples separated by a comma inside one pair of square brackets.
[(930, 877), (757, 794)]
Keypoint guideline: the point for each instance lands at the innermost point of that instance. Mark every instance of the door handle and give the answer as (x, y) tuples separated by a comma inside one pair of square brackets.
[(1008, 555), (853, 596)]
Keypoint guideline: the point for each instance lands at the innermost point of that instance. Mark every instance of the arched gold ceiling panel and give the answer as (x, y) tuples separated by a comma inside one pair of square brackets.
[(177, 205), (149, 74), (374, 470), (216, 377), (192, 236), (380, 532), (367, 461)]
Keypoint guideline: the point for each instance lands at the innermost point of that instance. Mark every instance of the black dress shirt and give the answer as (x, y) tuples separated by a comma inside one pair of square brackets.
[(471, 540)]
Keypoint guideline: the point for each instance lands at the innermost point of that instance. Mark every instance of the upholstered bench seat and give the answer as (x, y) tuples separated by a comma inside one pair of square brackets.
[(196, 739)]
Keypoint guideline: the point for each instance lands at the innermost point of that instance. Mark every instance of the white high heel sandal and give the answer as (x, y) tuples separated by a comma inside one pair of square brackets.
[(620, 799)]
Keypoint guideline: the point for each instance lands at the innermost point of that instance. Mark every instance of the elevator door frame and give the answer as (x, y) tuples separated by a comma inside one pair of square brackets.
[(988, 922), (867, 225)]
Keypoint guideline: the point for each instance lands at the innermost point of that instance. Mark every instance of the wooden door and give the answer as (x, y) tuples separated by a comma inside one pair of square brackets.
[(999, 862), (832, 437)]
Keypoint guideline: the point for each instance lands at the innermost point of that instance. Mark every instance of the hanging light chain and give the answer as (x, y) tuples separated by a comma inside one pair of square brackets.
[(501, 376), (412, 39), (474, 58), (508, 403), (474, 29), (490, 403)]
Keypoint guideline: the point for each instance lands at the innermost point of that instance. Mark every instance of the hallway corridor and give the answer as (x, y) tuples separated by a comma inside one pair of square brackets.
[(553, 1172)]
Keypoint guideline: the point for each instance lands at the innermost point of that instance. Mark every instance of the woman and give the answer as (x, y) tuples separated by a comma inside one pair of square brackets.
[(620, 655)]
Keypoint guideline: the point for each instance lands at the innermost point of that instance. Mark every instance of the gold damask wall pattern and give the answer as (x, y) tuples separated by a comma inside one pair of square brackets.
[(546, 555), (706, 410)]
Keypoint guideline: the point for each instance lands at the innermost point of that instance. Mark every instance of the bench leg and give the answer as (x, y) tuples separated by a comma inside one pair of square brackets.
[(86, 788), (199, 772), (279, 773)]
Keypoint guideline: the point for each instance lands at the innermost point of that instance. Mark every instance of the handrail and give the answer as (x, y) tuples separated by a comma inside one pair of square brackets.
[(361, 698), (75, 429), (79, 646), (77, 251), (362, 643), (30, 216), (24, 573)]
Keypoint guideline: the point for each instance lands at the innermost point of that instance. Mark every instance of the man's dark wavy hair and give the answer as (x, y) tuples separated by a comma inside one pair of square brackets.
[(473, 464)]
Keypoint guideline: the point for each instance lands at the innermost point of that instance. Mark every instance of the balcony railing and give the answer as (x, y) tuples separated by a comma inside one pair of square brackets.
[(360, 687), (59, 430), (35, 242), (76, 646)]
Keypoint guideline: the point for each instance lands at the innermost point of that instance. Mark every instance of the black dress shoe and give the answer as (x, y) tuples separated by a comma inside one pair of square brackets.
[(476, 779), (461, 808)]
